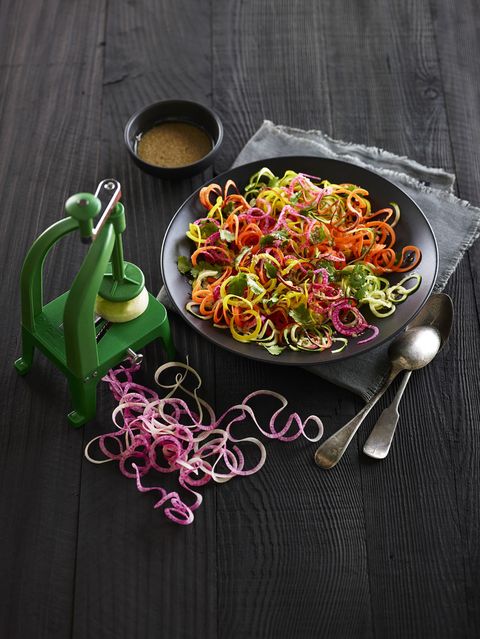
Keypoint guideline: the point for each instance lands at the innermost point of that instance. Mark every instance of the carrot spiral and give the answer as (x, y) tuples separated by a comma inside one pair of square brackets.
[(290, 262)]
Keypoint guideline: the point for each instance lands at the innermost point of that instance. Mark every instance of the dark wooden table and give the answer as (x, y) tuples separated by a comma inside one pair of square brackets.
[(386, 549)]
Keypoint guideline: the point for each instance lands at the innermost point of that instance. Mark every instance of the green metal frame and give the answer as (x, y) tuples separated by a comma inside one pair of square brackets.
[(64, 329)]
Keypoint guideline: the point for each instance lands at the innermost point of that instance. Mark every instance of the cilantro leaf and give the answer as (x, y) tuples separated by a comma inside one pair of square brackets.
[(202, 265), (357, 277), (301, 315), (183, 264), (226, 236), (207, 229), (296, 196), (228, 208), (328, 266), (361, 293), (271, 300), (317, 235), (237, 285), (270, 269), (274, 349), (357, 281), (266, 240), (240, 256), (254, 286), (275, 236)]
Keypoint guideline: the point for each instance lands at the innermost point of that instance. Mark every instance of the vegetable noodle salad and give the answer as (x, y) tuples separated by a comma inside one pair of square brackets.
[(290, 263)]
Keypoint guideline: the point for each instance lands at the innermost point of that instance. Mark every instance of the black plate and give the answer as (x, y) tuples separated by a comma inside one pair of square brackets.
[(413, 228)]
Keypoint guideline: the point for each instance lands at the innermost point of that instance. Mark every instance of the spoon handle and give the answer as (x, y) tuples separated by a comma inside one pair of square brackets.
[(331, 451), (380, 439)]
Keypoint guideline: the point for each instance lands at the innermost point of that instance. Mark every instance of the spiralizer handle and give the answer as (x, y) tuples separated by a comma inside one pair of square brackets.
[(84, 207), (109, 193)]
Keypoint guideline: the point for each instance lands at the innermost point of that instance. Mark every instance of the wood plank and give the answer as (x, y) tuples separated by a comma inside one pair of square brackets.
[(369, 549), (415, 549), (137, 574), (292, 557), (48, 136), (270, 63), (458, 51), (407, 119)]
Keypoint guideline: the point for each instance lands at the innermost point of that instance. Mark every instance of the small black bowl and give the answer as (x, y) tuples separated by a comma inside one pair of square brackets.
[(174, 111)]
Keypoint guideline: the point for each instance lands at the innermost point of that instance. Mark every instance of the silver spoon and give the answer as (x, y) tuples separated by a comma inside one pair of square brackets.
[(380, 439), (415, 348)]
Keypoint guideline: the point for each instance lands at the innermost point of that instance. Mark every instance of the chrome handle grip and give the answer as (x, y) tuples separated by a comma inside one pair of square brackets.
[(380, 439), (331, 451)]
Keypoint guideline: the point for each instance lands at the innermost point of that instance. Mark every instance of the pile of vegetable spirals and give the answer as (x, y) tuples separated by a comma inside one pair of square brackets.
[(291, 262)]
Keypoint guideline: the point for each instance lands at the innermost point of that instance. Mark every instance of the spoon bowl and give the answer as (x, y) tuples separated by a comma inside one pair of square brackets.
[(438, 317), (437, 312), (413, 349)]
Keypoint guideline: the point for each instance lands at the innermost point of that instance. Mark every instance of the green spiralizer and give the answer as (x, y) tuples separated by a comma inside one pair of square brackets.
[(107, 314)]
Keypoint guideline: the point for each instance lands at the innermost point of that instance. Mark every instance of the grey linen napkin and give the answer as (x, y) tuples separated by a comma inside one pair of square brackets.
[(431, 188)]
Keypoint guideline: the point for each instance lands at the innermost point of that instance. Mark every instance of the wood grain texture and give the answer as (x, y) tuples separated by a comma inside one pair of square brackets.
[(458, 50), (48, 135), (369, 549), (290, 537), (137, 574), (415, 562)]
